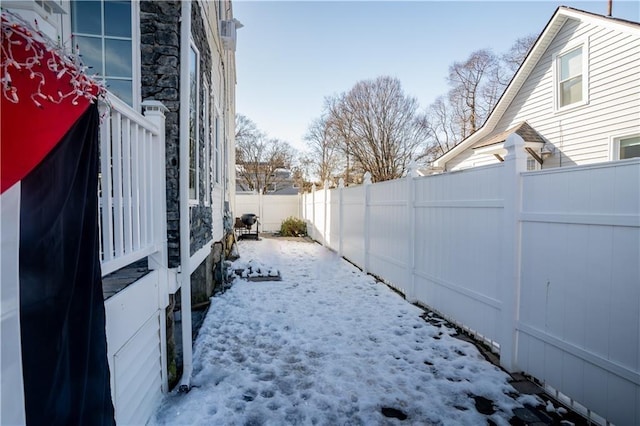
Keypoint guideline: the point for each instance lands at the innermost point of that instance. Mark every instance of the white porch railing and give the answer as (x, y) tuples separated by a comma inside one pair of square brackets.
[(131, 184)]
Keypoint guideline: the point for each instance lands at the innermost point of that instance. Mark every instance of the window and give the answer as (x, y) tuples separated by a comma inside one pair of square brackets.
[(194, 145), (206, 125), (216, 150), (626, 147), (630, 147), (532, 164), (103, 35), (571, 77)]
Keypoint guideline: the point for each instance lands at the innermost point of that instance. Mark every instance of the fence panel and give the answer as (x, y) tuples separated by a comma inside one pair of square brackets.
[(544, 265), (458, 246), (353, 224), (579, 327), (247, 203), (276, 208), (389, 230), (271, 209), (319, 210)]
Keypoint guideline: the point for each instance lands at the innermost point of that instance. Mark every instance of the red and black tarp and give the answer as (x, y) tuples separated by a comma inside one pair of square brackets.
[(54, 350)]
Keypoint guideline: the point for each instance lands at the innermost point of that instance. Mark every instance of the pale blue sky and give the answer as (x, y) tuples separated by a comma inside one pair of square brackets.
[(292, 54)]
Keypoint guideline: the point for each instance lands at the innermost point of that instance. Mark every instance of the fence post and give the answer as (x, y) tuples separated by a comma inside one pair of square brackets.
[(260, 205), (313, 211), (367, 220), (412, 173), (515, 162), (340, 215), (325, 208)]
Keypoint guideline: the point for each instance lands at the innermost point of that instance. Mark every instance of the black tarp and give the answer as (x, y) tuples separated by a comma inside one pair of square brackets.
[(62, 316)]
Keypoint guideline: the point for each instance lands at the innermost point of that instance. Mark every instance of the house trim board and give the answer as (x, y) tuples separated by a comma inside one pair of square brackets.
[(185, 222), (199, 256)]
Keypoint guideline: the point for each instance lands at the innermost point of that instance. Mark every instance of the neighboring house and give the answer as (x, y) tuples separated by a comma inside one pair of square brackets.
[(575, 99), (279, 182), (145, 51)]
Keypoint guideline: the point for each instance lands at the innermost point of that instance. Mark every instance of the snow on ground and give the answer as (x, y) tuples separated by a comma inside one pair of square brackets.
[(328, 345)]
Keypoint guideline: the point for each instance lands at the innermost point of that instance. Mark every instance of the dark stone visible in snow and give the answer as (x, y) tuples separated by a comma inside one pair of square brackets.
[(249, 395), (484, 405), (393, 413), (526, 415)]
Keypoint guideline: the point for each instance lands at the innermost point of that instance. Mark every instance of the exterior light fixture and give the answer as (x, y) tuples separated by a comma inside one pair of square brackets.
[(547, 151)]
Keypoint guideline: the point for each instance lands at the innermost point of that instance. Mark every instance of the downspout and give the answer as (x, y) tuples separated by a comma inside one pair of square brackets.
[(185, 229)]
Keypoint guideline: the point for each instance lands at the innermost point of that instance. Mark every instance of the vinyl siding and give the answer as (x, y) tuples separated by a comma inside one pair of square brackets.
[(581, 134)]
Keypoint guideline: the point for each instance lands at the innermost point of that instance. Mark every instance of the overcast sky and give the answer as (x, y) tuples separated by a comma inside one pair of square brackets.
[(292, 54)]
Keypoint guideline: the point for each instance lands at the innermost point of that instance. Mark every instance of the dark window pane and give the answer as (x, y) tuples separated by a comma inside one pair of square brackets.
[(86, 17), (122, 89), (192, 167), (91, 53), (630, 147), (193, 118), (118, 58), (117, 18)]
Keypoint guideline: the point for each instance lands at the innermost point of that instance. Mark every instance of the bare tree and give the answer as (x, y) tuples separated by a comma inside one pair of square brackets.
[(442, 131), (517, 53), (379, 126), (259, 159), (339, 127), (472, 89), (301, 172), (246, 129), (323, 149), (476, 87)]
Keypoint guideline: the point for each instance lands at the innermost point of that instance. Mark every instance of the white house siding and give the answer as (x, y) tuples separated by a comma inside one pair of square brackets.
[(582, 134)]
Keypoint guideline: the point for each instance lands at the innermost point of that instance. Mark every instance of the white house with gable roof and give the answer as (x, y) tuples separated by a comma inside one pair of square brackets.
[(575, 99)]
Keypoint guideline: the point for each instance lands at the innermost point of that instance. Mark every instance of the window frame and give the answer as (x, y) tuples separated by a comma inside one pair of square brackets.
[(216, 149), (533, 162), (614, 144), (557, 91), (195, 200), (206, 118), (67, 31)]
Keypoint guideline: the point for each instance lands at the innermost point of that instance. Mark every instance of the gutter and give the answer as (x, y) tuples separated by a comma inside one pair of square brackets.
[(185, 229)]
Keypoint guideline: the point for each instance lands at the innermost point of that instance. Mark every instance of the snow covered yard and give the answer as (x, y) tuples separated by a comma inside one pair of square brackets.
[(329, 345)]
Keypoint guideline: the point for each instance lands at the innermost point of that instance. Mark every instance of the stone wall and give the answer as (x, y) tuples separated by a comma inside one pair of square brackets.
[(160, 60)]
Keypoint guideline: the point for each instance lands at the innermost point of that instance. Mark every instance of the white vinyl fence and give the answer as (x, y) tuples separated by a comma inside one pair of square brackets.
[(270, 209), (133, 227), (545, 265)]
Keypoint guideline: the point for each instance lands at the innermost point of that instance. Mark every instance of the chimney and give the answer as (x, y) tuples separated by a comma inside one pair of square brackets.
[(610, 7)]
